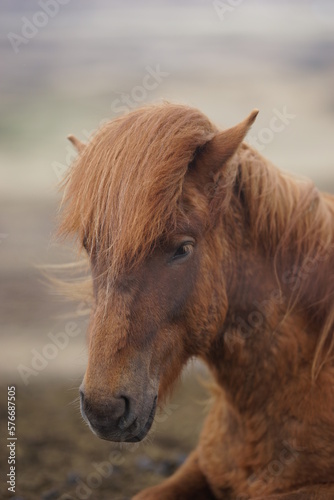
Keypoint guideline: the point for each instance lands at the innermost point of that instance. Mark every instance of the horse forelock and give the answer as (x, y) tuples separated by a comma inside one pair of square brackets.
[(124, 192)]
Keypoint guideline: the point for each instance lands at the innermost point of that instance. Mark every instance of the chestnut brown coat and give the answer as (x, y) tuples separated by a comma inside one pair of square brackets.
[(199, 247)]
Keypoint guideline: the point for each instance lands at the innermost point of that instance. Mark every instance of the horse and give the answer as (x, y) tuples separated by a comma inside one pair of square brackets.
[(200, 248)]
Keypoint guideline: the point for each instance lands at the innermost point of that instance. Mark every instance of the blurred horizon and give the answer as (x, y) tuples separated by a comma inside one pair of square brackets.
[(68, 76)]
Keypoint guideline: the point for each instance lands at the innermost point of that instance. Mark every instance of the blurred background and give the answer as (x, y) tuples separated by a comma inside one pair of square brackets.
[(68, 65)]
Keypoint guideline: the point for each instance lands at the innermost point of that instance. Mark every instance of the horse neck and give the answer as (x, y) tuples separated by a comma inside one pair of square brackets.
[(280, 234), (283, 222)]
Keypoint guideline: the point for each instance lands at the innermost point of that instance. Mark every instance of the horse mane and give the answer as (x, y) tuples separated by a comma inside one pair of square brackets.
[(123, 193), (293, 224), (287, 214)]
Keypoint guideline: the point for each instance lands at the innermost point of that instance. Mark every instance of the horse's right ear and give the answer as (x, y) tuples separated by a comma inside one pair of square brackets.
[(79, 146), (211, 158), (223, 146)]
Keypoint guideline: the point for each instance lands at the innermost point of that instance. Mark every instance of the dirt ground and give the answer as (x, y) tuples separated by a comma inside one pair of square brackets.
[(59, 458)]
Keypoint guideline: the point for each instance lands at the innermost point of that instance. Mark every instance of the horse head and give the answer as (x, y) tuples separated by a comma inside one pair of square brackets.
[(145, 199)]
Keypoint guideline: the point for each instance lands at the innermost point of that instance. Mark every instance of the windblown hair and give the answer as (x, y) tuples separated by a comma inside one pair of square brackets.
[(293, 223), (286, 214), (123, 193)]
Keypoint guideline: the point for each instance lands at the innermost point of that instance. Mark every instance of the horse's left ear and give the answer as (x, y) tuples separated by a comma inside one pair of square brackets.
[(223, 146), (79, 146)]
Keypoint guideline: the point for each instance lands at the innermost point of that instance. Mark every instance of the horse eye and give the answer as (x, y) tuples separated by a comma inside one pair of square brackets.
[(183, 250), (85, 244)]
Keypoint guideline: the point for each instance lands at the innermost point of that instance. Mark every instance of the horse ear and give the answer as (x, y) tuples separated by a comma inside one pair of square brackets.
[(79, 146), (223, 146)]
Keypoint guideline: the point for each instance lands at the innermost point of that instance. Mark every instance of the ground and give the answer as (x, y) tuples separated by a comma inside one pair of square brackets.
[(58, 457)]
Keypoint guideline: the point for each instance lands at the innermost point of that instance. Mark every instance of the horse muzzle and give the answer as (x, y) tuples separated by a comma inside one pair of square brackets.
[(118, 418)]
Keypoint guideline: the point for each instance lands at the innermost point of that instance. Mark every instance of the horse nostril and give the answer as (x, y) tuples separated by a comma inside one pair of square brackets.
[(127, 406), (108, 414), (123, 421)]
